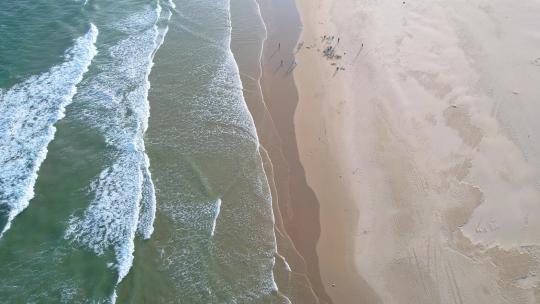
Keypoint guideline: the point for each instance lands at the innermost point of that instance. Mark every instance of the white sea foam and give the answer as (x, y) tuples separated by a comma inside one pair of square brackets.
[(163, 23), (124, 202), (145, 226), (29, 111), (217, 211), (111, 219)]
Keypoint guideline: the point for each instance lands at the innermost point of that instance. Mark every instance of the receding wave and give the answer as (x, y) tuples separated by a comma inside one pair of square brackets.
[(29, 111)]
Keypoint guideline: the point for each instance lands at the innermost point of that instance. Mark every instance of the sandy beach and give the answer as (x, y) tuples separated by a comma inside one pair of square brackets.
[(418, 134)]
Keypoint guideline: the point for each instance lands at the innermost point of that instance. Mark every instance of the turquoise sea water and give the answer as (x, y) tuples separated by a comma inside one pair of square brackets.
[(129, 163)]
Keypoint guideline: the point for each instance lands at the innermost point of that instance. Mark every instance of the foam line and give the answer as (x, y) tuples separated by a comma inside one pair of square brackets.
[(218, 210), (124, 202), (30, 110)]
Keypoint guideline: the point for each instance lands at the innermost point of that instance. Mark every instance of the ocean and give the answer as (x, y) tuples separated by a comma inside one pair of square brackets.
[(130, 166)]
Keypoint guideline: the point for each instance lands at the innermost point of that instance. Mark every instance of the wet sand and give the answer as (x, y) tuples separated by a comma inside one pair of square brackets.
[(271, 96), (297, 201), (422, 148)]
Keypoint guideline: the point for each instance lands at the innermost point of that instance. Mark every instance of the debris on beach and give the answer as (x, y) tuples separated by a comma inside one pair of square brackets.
[(299, 47), (329, 52)]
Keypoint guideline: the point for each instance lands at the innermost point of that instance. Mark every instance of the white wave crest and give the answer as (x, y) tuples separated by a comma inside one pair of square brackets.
[(29, 111), (111, 219), (124, 202)]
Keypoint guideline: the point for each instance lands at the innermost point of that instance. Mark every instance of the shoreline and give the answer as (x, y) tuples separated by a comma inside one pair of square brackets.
[(292, 272), (297, 202)]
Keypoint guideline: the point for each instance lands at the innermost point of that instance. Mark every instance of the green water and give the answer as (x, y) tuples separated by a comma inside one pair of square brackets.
[(104, 170)]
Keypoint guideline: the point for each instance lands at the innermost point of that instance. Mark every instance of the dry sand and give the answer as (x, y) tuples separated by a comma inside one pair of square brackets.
[(424, 152)]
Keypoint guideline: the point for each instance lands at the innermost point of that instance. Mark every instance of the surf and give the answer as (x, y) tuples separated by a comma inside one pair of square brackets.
[(31, 109), (124, 202)]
